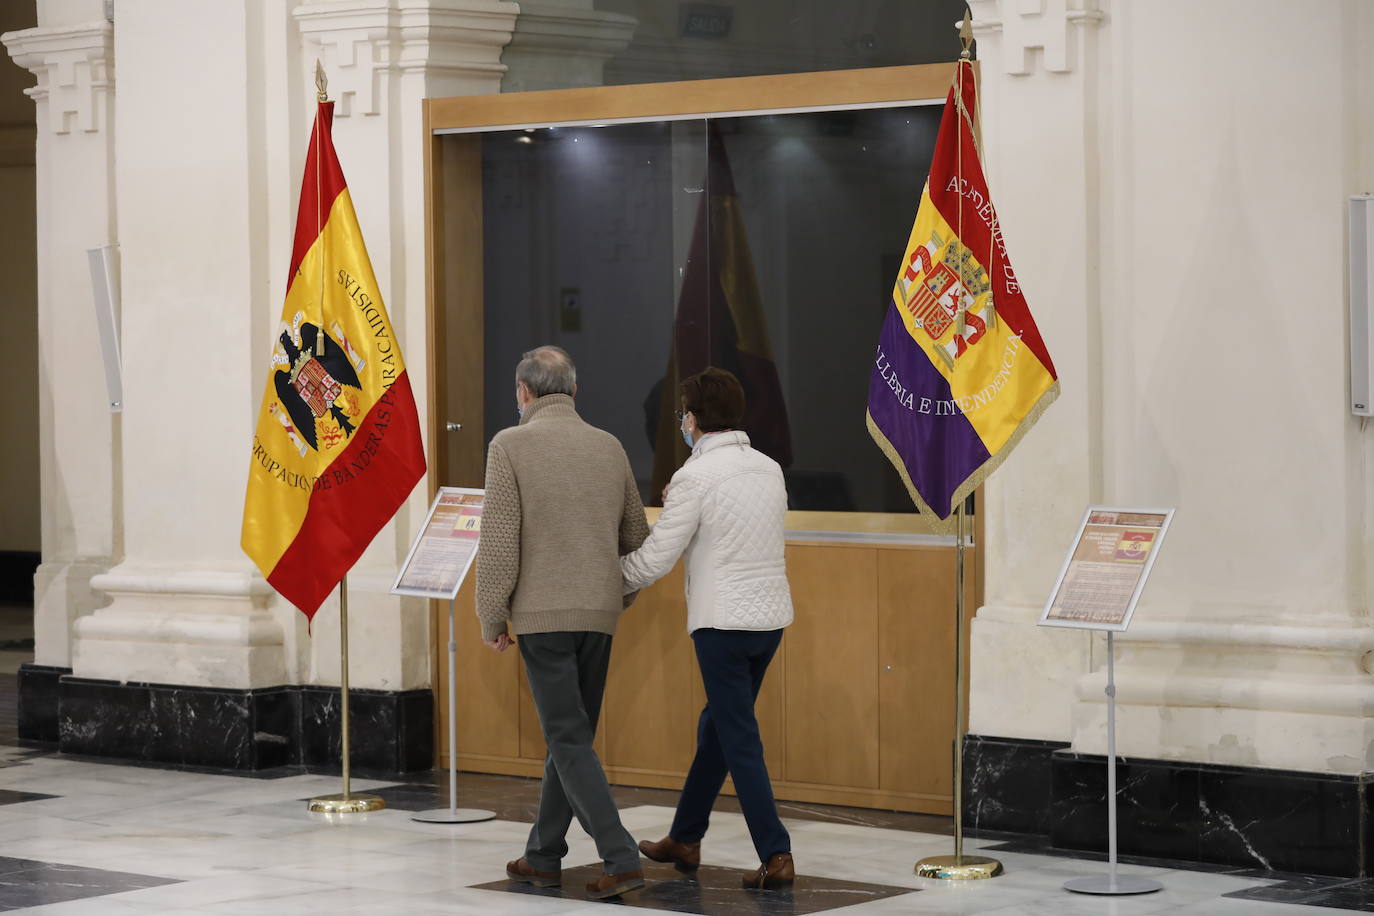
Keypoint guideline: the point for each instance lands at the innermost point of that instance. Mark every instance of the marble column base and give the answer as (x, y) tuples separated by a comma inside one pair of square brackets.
[(243, 730), (391, 731), (1246, 817), (38, 687), (1279, 820), (1007, 784)]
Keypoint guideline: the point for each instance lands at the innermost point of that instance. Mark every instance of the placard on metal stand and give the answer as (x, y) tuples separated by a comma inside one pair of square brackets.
[(1097, 589), (438, 562)]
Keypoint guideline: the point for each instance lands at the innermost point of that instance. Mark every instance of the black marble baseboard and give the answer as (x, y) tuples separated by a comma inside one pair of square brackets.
[(391, 732), (1007, 785), (1242, 817), (38, 702), (1278, 820), (243, 730), (17, 568)]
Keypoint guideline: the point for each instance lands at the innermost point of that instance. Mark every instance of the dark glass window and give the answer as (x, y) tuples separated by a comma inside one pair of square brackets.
[(655, 41), (766, 245)]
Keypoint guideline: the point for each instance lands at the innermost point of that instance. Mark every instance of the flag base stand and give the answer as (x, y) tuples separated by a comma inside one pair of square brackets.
[(958, 868), (1113, 885), (454, 816), (344, 803)]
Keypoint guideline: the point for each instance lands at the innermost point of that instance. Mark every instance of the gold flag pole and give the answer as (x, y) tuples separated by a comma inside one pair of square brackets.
[(959, 867), (345, 802)]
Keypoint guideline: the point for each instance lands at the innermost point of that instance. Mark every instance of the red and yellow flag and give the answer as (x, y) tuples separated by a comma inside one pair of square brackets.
[(337, 448)]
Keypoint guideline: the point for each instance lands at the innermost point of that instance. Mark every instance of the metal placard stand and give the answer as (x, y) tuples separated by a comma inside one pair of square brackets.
[(1112, 883), (1097, 589), (438, 562), (453, 814)]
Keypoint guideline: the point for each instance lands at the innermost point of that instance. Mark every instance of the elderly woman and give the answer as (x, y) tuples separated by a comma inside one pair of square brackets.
[(724, 509)]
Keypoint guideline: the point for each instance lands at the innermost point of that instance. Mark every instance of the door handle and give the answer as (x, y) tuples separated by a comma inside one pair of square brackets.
[(453, 427)]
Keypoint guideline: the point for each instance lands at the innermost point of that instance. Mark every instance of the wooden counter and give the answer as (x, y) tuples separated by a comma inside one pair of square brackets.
[(857, 708)]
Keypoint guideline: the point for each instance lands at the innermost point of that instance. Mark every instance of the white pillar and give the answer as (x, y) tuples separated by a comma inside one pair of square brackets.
[(563, 44), (1225, 352), (382, 58), (187, 606), (1040, 70), (1178, 219), (71, 54)]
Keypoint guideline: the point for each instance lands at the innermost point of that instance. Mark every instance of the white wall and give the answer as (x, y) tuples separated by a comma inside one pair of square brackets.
[(216, 102), (1182, 244), (1171, 179)]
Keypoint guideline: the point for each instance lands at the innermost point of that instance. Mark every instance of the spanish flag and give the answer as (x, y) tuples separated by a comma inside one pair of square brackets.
[(337, 448), (960, 372)]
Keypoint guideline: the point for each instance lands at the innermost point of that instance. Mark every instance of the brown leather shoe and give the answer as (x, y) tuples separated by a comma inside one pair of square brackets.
[(685, 856), (778, 871), (615, 885), (520, 870)]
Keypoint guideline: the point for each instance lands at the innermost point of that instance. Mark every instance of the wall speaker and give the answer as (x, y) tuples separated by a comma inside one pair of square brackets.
[(104, 264), (1362, 305)]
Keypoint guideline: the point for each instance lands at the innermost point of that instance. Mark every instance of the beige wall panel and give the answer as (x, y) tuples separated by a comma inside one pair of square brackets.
[(650, 708), (916, 665), (488, 688), (831, 701)]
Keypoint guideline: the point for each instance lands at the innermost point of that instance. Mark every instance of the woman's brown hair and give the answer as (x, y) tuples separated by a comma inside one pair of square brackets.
[(715, 397)]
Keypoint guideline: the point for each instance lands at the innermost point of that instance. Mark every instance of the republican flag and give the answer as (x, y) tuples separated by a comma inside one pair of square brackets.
[(960, 372), (720, 322), (337, 448)]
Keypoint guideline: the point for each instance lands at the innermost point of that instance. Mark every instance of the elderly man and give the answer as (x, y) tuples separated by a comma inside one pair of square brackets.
[(561, 507)]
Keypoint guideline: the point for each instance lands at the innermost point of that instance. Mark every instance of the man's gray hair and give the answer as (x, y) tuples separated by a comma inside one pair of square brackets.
[(547, 370)]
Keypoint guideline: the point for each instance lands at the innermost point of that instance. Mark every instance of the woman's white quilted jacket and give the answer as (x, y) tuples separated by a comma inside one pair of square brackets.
[(725, 509)]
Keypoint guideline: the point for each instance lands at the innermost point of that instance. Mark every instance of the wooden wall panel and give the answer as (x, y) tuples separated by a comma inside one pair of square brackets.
[(651, 703), (754, 93), (459, 288), (915, 631), (831, 699), (488, 687)]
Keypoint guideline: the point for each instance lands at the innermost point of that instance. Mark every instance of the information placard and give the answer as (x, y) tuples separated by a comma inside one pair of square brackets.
[(1106, 568), (445, 548)]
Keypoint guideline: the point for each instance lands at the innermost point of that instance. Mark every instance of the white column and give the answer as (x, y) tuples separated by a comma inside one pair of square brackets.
[(71, 54), (186, 605), (563, 44), (1225, 348), (1040, 68), (383, 57), (1185, 257)]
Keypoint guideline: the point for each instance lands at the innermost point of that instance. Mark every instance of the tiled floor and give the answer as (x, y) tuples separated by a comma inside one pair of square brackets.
[(102, 838), (95, 837)]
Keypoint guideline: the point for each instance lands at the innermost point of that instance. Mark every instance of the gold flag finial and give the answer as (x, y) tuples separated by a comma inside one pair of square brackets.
[(321, 84), (966, 36)]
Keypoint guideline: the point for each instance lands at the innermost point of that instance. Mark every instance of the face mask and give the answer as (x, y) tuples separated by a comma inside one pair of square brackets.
[(686, 436)]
